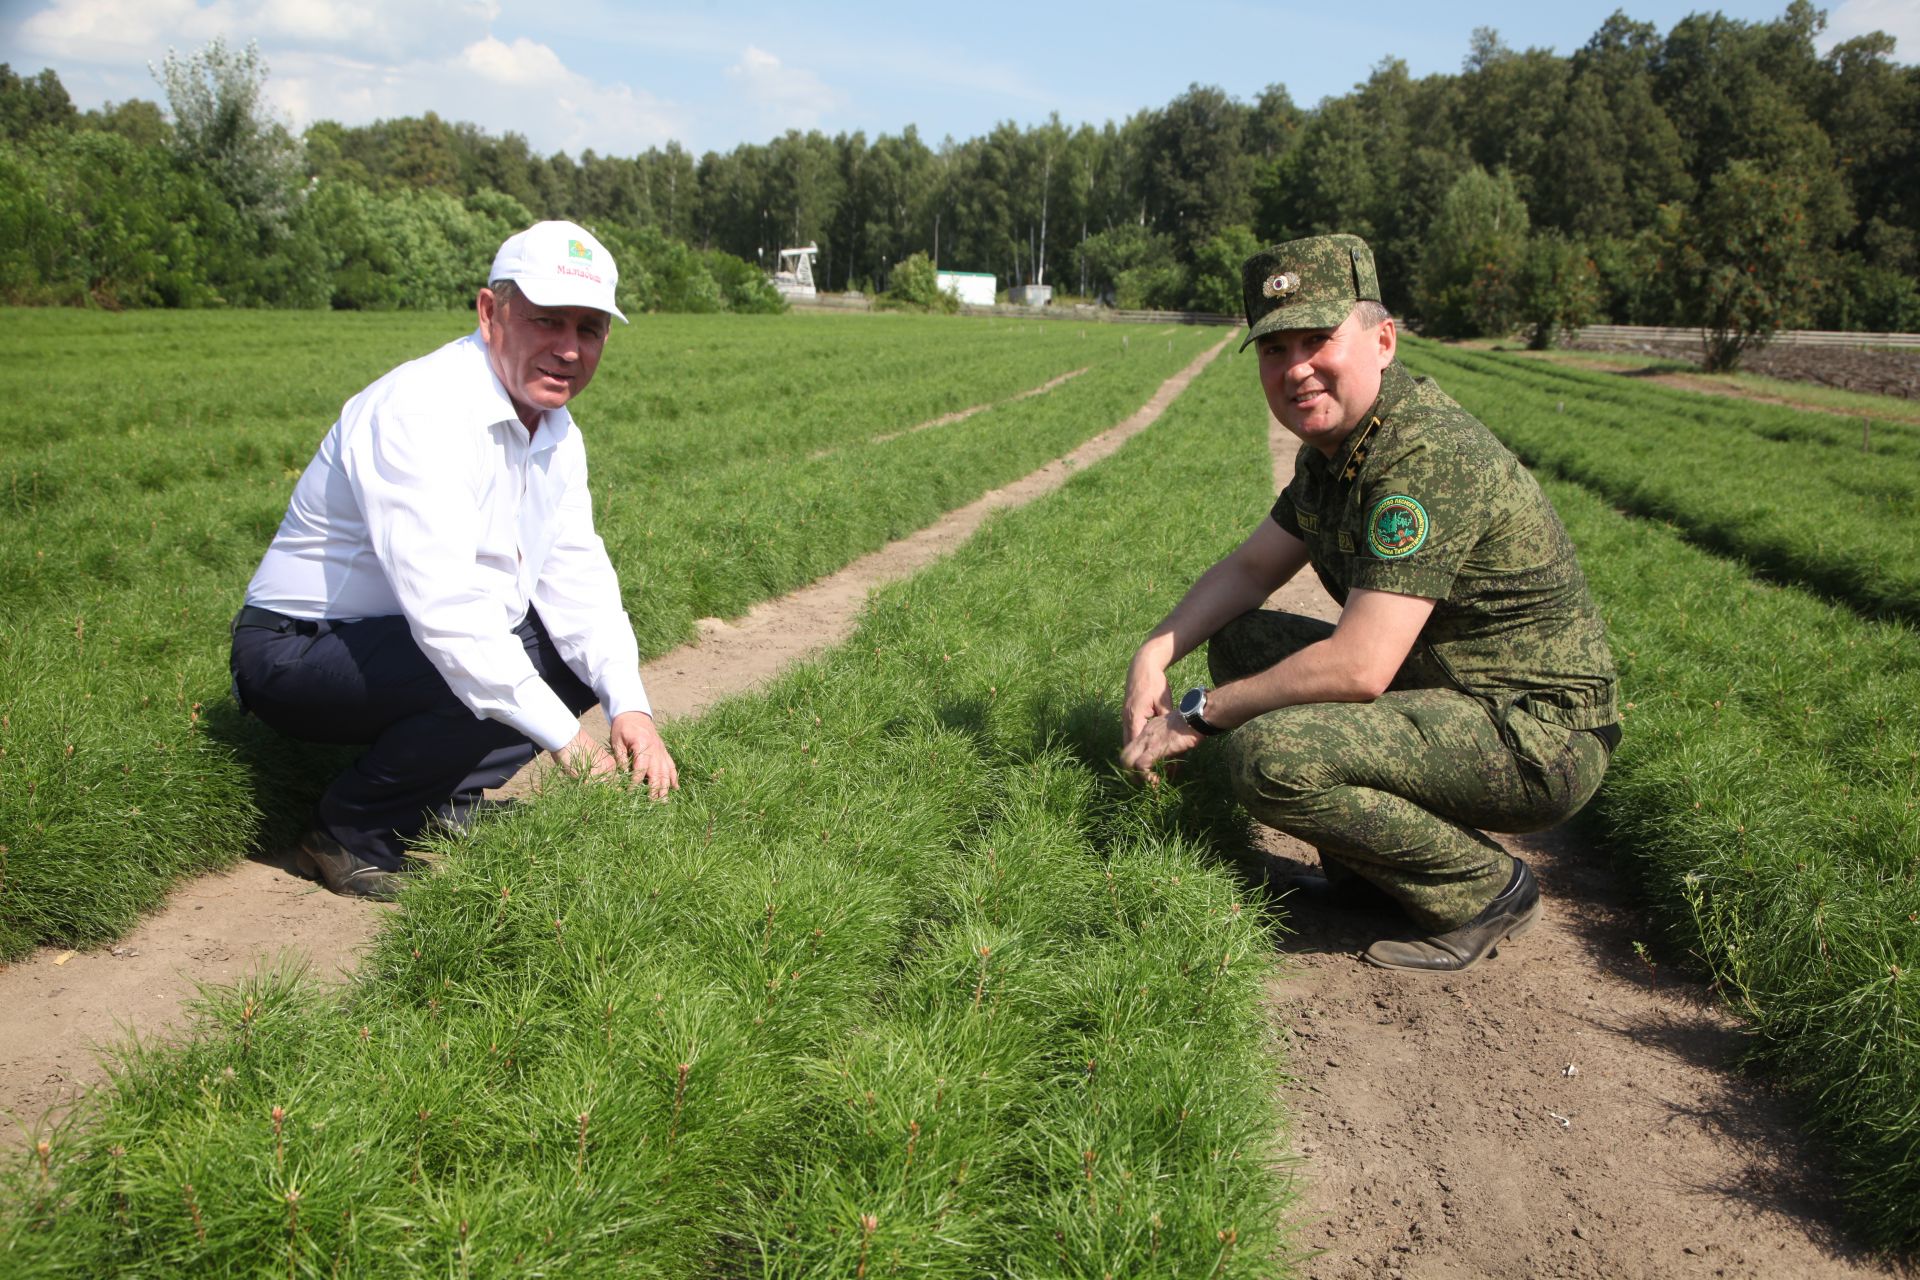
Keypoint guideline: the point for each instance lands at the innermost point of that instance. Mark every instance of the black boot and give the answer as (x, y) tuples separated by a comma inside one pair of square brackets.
[(318, 856), (1507, 916)]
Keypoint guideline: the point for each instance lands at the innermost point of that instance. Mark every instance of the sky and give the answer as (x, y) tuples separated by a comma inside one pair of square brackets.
[(618, 78)]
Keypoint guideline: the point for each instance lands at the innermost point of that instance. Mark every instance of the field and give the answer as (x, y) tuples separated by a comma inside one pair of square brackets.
[(907, 979)]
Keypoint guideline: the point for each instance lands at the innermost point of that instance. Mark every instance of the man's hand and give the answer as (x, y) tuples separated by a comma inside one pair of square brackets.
[(1162, 737), (637, 749), (1148, 697), (583, 757)]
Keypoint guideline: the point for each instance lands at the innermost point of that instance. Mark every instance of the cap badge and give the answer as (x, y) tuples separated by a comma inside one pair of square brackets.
[(1280, 285), (577, 250)]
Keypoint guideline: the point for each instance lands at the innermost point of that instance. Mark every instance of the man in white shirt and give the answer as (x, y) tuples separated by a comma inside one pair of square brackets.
[(437, 590)]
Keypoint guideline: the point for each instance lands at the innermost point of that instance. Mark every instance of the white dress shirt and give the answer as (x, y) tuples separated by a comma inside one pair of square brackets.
[(429, 499)]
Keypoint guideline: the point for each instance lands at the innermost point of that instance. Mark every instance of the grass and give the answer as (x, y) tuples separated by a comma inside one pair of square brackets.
[(905, 981), (734, 458)]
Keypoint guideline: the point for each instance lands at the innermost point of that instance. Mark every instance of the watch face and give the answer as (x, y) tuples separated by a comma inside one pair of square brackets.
[(1192, 701)]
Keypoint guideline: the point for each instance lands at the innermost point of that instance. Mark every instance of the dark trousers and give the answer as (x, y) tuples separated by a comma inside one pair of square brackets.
[(368, 682)]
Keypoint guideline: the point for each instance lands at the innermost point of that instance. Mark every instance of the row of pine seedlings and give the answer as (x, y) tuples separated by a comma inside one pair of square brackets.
[(906, 981), (1759, 568)]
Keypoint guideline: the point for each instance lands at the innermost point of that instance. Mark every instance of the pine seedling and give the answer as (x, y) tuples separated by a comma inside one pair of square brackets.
[(1228, 1238), (192, 1199), (869, 1223), (293, 1232)]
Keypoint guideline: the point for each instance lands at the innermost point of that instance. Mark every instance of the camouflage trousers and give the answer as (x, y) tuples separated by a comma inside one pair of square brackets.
[(1398, 790)]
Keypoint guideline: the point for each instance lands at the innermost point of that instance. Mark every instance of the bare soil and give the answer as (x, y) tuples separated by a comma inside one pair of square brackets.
[(1878, 371), (1560, 1111)]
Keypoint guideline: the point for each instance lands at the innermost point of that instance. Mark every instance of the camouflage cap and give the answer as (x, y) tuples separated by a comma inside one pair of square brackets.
[(1306, 284)]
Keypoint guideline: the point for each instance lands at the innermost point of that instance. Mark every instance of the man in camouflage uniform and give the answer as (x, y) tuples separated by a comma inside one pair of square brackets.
[(1468, 683)]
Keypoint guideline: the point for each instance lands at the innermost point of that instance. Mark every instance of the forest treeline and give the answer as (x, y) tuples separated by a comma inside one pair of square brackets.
[(1725, 173)]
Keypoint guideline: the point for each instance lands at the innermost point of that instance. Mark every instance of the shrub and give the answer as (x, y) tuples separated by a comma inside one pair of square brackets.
[(915, 282)]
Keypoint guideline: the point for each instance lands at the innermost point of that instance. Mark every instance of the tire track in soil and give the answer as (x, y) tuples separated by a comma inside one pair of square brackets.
[(958, 415), (1561, 1110), (58, 1010)]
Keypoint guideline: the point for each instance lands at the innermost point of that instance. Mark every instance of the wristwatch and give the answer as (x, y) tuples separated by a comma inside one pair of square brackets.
[(1193, 709)]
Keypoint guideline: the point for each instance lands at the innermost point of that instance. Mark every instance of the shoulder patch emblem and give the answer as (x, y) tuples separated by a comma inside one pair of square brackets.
[(1396, 527)]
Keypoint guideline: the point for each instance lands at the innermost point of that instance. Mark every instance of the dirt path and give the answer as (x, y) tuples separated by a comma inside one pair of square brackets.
[(1560, 1111), (57, 1008)]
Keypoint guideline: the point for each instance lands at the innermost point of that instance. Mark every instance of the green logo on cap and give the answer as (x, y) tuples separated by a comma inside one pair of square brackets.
[(577, 250)]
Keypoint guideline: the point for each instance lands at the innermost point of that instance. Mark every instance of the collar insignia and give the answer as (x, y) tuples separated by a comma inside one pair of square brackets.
[(1280, 285), (1358, 458)]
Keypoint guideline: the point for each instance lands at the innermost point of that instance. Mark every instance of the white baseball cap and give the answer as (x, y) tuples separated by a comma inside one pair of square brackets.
[(559, 264)]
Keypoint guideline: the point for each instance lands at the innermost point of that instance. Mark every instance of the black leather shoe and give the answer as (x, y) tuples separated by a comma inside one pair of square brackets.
[(1507, 916), (318, 856), (1350, 893)]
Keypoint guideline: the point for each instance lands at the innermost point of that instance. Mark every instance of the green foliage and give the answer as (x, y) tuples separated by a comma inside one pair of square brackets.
[(1469, 280), (1747, 266), (904, 977), (1639, 275), (93, 218), (1559, 289), (31, 103), (413, 249), (1137, 266), (916, 283), (1216, 271), (1871, 298), (222, 130)]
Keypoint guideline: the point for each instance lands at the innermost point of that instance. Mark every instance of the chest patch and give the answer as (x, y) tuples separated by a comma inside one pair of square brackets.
[(1396, 527), (1309, 522)]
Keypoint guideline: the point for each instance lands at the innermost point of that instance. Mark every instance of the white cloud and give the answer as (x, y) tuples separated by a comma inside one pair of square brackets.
[(357, 61), (1898, 18), (788, 97), (524, 62), (523, 87), (106, 31)]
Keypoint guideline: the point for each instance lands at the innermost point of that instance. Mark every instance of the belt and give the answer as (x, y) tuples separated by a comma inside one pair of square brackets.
[(252, 615), (1609, 734)]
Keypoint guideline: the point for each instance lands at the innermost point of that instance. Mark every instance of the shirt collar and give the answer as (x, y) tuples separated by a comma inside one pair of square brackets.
[(489, 403), (1395, 384)]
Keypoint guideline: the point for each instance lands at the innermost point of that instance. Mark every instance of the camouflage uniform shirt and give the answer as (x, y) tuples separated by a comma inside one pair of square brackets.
[(1423, 500)]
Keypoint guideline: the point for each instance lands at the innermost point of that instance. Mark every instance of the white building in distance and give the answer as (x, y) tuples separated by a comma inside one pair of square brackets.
[(973, 288)]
